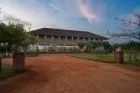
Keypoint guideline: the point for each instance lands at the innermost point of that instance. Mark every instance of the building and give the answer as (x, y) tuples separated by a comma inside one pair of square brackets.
[(60, 37), (57, 37)]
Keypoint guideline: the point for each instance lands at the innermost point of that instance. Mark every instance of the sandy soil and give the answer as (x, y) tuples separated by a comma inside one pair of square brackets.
[(64, 74)]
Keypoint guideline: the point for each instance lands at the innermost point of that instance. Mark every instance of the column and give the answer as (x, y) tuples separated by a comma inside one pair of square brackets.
[(45, 37), (78, 38), (119, 56), (72, 38), (37, 38), (59, 37), (83, 39), (89, 39)]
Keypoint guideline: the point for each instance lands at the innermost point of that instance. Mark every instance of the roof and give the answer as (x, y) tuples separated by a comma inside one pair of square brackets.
[(63, 32)]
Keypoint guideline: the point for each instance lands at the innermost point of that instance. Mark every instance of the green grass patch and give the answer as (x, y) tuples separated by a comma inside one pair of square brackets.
[(107, 58), (57, 52), (95, 57), (7, 71)]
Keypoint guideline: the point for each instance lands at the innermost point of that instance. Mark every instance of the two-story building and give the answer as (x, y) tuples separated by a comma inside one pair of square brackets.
[(60, 37)]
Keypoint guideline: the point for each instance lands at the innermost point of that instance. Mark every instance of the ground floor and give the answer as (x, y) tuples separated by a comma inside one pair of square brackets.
[(64, 74), (62, 48)]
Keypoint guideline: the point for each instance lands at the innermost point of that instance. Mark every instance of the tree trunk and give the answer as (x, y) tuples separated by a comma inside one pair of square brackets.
[(106, 52), (135, 57), (129, 56), (94, 50), (91, 51), (115, 57), (0, 64), (130, 59)]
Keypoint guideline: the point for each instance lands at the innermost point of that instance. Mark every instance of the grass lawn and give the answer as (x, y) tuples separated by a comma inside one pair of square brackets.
[(96, 57), (109, 58), (7, 71)]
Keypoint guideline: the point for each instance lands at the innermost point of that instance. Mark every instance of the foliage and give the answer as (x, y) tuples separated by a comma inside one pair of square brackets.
[(7, 71), (109, 58), (130, 27), (94, 44), (81, 45), (132, 49), (3, 52), (114, 46), (14, 35), (29, 39), (106, 46)]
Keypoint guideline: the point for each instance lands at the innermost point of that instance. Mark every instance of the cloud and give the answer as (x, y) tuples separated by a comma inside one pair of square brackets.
[(9, 18), (55, 7), (47, 12), (87, 10), (54, 26)]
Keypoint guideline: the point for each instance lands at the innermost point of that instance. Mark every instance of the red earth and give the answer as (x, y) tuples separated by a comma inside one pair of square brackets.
[(63, 74)]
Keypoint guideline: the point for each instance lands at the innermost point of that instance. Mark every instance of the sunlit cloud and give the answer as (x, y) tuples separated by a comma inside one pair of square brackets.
[(87, 10), (9, 18), (38, 13), (18, 13)]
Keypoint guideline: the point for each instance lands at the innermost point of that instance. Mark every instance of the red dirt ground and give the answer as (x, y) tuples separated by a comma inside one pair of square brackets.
[(64, 74)]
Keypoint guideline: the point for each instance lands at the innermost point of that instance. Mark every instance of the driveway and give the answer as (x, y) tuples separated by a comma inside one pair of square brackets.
[(63, 74)]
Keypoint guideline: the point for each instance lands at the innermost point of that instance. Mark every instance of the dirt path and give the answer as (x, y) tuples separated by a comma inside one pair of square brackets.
[(63, 74)]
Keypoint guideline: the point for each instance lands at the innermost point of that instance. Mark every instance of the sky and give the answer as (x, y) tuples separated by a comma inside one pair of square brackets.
[(95, 16)]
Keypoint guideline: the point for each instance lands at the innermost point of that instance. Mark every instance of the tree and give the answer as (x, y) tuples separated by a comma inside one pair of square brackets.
[(13, 35), (106, 46), (130, 30), (132, 49), (127, 48), (2, 41), (90, 44), (93, 45), (130, 27), (136, 49), (81, 45), (29, 39), (3, 51)]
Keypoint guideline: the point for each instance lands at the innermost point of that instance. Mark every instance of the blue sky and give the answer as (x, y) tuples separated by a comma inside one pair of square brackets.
[(96, 16)]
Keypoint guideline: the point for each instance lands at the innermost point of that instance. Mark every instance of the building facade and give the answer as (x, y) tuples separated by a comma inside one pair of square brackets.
[(58, 38)]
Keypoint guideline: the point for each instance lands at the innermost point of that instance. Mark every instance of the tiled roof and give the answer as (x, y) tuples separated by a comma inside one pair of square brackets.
[(62, 32)]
